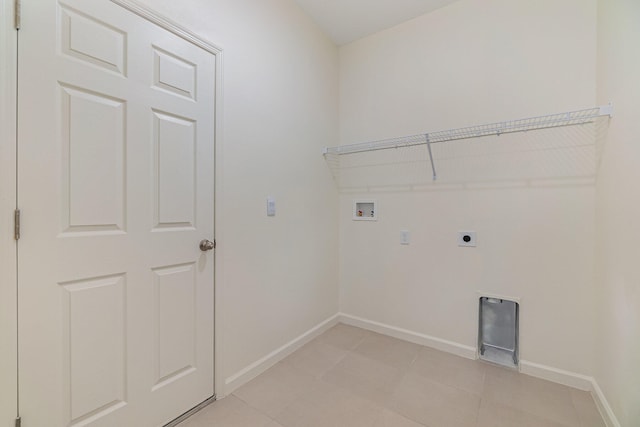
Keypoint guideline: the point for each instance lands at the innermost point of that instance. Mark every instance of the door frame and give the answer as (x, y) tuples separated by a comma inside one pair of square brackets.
[(9, 406), (8, 246)]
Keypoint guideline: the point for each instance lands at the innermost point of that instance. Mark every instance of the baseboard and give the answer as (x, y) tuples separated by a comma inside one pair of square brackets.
[(250, 372), (406, 335), (603, 406), (560, 376)]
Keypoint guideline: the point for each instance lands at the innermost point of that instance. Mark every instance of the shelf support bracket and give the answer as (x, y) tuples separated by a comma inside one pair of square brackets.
[(606, 110), (433, 166)]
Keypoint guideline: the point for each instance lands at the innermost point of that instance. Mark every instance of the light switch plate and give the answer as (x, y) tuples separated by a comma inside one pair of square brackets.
[(271, 206), (404, 237)]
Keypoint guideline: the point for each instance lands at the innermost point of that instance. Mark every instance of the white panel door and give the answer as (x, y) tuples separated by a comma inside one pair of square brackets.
[(115, 184)]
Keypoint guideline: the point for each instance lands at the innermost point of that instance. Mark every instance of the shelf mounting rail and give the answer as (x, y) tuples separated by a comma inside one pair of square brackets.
[(570, 118)]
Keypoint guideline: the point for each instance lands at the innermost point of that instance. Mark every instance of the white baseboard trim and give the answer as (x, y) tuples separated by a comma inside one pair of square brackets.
[(414, 337), (250, 372), (603, 406), (560, 376)]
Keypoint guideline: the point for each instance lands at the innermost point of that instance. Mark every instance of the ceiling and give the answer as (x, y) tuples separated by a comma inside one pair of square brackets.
[(347, 20)]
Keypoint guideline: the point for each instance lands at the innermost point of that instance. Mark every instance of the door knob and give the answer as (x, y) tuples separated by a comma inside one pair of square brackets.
[(207, 245)]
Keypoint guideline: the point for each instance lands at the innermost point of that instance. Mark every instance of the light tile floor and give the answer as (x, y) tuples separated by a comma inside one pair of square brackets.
[(349, 377)]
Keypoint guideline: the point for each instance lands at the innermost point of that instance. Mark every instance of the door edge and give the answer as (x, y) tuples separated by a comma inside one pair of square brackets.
[(8, 245)]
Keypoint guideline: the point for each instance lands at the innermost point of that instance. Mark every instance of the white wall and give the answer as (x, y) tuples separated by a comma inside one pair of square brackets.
[(278, 275), (474, 62), (618, 201), (8, 326)]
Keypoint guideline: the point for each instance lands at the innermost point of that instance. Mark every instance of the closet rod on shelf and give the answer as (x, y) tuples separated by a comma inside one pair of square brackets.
[(570, 118)]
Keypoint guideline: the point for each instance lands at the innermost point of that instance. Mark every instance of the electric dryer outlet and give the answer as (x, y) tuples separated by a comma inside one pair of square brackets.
[(467, 238)]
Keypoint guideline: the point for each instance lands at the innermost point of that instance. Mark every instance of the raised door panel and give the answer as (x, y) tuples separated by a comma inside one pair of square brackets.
[(93, 156), (174, 74), (175, 323), (91, 40), (95, 349), (175, 171)]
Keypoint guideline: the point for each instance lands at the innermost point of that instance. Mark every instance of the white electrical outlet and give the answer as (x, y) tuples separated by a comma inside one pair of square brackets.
[(404, 237), (467, 238)]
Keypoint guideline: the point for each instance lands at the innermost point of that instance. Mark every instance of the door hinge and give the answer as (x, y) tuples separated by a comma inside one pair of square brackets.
[(16, 224), (18, 422), (17, 14), (215, 244)]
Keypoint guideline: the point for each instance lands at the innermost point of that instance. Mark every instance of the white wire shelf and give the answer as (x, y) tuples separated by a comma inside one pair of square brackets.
[(570, 118)]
